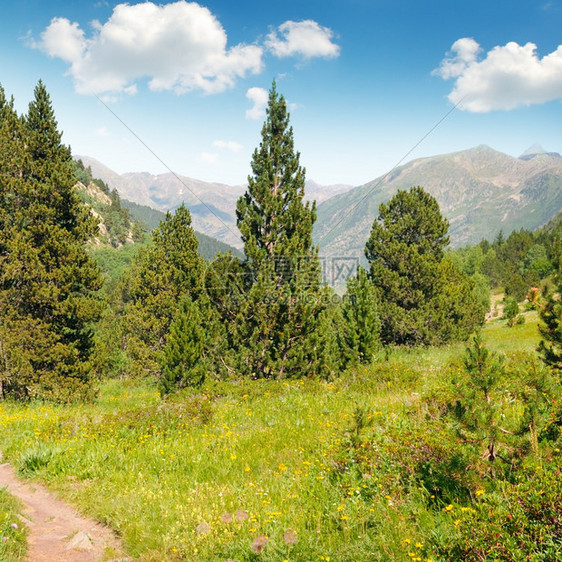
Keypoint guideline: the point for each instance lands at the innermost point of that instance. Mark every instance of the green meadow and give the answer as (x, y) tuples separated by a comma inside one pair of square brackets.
[(367, 466)]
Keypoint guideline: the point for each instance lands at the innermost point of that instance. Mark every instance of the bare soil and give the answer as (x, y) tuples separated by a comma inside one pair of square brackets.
[(57, 532)]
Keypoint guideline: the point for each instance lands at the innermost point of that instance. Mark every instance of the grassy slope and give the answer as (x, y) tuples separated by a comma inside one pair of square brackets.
[(12, 531), (333, 467)]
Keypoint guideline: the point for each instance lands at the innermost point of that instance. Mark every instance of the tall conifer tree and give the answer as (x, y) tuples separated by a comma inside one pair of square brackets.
[(284, 300), (419, 303), (48, 282)]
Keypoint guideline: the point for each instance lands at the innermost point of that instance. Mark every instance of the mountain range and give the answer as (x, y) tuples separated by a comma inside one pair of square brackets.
[(122, 222), (212, 205), (481, 191)]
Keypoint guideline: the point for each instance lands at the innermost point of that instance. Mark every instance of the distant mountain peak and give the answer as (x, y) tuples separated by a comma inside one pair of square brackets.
[(532, 150), (537, 150), (479, 150)]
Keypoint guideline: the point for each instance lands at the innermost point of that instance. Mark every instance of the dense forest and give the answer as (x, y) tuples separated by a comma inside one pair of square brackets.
[(166, 318)]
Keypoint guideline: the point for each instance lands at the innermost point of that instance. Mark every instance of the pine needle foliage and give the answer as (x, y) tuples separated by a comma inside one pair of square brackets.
[(182, 363), (420, 300), (159, 277), (48, 282), (361, 328), (284, 298), (478, 410), (550, 346)]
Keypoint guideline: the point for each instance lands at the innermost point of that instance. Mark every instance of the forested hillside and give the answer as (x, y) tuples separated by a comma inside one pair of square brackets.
[(122, 221), (116, 225)]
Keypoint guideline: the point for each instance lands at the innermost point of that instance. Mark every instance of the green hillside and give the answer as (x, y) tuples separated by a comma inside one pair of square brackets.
[(123, 222), (368, 466), (208, 247), (116, 224)]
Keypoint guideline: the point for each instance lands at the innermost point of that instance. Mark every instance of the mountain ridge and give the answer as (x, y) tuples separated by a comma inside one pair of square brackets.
[(212, 204), (480, 191)]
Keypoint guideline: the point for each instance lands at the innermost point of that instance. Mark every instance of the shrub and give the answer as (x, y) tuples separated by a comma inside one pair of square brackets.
[(521, 521), (510, 309)]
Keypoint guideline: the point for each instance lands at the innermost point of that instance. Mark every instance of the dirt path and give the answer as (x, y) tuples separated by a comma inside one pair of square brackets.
[(57, 533)]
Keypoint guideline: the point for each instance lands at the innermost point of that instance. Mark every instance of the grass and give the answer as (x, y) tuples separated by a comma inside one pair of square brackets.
[(12, 532), (359, 468), (511, 339)]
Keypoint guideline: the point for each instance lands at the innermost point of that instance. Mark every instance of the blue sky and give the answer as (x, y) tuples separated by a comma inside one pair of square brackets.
[(365, 79)]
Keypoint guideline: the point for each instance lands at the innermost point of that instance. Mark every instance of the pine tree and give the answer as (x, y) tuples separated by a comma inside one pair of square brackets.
[(226, 283), (550, 346), (418, 300), (12, 157), (476, 406), (48, 282), (360, 314), (183, 357), (284, 298), (152, 289), (52, 172), (456, 310)]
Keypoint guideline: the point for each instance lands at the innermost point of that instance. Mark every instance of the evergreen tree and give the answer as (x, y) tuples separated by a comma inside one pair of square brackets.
[(284, 298), (328, 345), (457, 308), (12, 163), (416, 285), (404, 251), (360, 314), (159, 277), (48, 282), (226, 282), (183, 358), (550, 346), (516, 287), (482, 290), (510, 309)]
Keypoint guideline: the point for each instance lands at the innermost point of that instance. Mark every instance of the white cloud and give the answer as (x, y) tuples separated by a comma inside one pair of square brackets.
[(228, 145), (103, 132), (463, 52), (304, 38), (259, 97), (63, 40), (179, 46), (507, 77)]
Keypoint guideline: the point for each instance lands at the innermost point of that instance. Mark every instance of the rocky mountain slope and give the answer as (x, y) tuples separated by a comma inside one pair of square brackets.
[(481, 191), (212, 205), (116, 226), (122, 222)]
